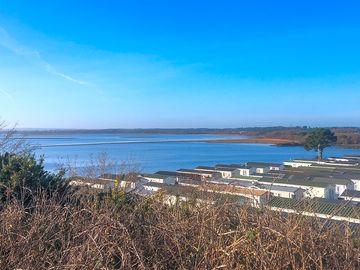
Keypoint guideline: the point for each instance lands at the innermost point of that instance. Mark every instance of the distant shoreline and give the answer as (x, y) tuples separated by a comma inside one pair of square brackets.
[(348, 137), (195, 131), (269, 141), (39, 136), (243, 141)]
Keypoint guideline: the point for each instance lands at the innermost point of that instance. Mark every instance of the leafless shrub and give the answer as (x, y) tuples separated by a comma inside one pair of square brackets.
[(65, 233), (11, 140), (96, 165)]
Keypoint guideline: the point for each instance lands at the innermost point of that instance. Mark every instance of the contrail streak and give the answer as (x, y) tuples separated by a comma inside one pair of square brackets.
[(9, 97), (13, 45)]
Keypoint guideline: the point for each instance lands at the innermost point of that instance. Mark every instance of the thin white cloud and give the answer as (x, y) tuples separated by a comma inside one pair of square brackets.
[(49, 68), (13, 45), (7, 94)]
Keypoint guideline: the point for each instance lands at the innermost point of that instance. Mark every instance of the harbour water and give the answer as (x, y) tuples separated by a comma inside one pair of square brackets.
[(153, 152)]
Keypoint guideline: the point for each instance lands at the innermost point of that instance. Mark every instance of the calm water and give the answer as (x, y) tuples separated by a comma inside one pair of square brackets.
[(160, 155)]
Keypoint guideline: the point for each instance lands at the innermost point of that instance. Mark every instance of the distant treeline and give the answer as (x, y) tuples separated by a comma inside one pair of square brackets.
[(349, 139), (256, 131), (347, 136)]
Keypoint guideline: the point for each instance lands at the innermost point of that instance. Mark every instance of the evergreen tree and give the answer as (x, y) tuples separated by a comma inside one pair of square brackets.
[(319, 139)]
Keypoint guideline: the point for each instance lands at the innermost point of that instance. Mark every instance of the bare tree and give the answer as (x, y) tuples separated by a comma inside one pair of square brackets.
[(12, 141)]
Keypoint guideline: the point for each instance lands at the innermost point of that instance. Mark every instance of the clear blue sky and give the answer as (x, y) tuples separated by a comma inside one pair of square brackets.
[(125, 64)]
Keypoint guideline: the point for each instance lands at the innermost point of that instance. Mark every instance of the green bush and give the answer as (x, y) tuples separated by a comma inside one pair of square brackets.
[(23, 173)]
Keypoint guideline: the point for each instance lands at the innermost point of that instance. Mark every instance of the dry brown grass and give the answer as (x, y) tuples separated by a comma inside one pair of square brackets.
[(85, 233)]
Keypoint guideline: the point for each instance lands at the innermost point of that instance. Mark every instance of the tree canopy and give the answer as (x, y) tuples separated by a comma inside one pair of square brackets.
[(319, 139)]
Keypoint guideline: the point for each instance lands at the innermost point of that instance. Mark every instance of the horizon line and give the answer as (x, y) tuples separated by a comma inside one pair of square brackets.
[(187, 128)]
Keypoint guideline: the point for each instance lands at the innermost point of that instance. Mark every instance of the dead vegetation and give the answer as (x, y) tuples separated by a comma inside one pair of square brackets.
[(81, 231)]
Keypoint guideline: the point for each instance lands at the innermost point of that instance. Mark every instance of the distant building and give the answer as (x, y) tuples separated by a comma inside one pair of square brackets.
[(179, 194), (317, 208), (128, 181), (257, 196), (351, 195), (340, 184), (180, 176), (356, 181), (256, 181), (284, 192), (153, 186), (221, 181), (353, 157), (243, 170), (339, 159), (189, 182), (259, 167), (94, 183), (225, 172), (162, 179), (264, 167), (315, 163), (312, 189), (238, 169), (297, 164), (275, 190), (205, 174)]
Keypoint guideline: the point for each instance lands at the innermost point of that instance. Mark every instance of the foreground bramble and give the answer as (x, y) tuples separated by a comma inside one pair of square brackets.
[(83, 231)]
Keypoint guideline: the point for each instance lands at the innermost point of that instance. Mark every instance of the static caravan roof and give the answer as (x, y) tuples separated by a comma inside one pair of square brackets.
[(205, 168), (224, 181), (262, 164), (351, 193), (355, 157), (191, 192), (295, 182), (303, 160), (225, 169), (241, 166), (154, 176), (189, 182), (200, 172), (154, 184), (279, 188), (331, 180), (234, 189), (226, 166), (167, 173), (326, 207), (243, 183), (233, 166), (180, 175)]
